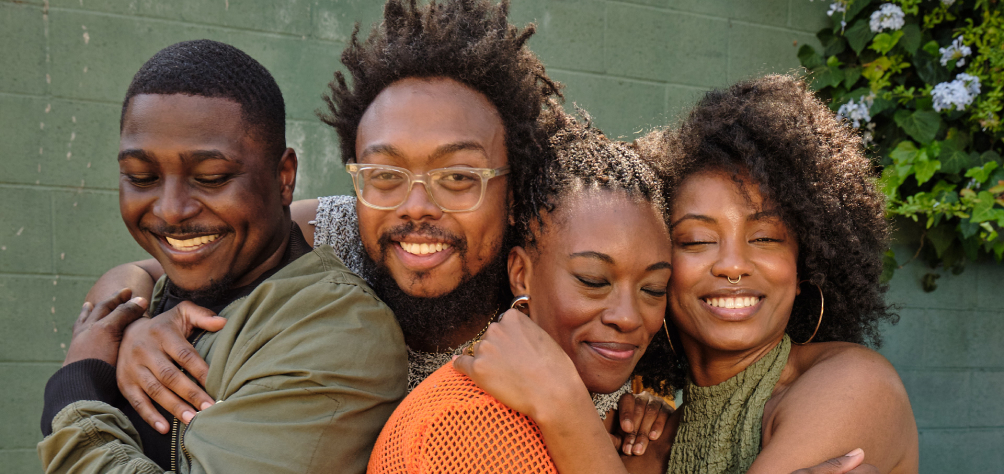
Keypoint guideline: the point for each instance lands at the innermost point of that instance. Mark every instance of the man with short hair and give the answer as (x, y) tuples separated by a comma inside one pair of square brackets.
[(205, 188)]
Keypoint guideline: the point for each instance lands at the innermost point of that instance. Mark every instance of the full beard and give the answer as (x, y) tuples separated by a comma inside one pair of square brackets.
[(473, 303)]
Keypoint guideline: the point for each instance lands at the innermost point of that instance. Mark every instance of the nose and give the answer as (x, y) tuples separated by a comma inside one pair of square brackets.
[(625, 312), (175, 203), (419, 205), (733, 261)]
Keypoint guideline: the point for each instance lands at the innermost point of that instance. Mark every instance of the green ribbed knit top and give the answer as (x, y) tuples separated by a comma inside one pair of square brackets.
[(720, 428)]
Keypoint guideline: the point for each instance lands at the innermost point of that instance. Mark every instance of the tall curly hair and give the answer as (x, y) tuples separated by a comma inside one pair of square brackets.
[(469, 41), (774, 133)]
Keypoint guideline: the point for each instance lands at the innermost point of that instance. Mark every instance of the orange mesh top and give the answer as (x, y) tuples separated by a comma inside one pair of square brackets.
[(449, 425)]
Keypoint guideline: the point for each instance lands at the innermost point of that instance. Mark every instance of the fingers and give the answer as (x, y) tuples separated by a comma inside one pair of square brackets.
[(185, 355), (189, 316), (125, 313), (160, 393), (653, 409), (838, 465), (105, 307), (138, 399)]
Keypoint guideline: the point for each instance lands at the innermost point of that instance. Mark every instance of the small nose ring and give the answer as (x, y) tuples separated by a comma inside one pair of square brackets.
[(736, 282)]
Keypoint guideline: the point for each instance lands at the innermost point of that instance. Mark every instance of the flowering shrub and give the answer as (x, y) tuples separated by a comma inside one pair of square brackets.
[(923, 80)]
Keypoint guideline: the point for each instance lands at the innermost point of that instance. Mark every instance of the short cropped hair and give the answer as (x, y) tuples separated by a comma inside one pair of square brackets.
[(212, 69)]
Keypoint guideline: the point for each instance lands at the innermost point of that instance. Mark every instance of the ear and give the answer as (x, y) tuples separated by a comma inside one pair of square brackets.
[(287, 175), (520, 271)]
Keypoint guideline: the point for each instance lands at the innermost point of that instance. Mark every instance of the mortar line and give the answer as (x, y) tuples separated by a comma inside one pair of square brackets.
[(50, 187), (704, 16), (628, 79), (274, 34)]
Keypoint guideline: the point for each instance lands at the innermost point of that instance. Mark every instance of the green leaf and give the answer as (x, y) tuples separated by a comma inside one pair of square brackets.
[(968, 229), (981, 173), (932, 47), (884, 42), (832, 44), (929, 68), (856, 7), (953, 160), (826, 76), (851, 76), (880, 105), (925, 169), (911, 39), (833, 61), (809, 58), (921, 126), (942, 237), (905, 152), (983, 211), (858, 35), (990, 156)]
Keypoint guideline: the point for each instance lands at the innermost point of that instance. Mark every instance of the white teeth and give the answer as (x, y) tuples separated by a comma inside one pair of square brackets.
[(733, 303), (423, 249), (191, 244)]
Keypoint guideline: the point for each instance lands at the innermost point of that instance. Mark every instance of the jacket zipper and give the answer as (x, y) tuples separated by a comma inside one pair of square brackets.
[(178, 439)]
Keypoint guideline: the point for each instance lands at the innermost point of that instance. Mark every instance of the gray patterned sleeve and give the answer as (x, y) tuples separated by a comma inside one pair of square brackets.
[(337, 225)]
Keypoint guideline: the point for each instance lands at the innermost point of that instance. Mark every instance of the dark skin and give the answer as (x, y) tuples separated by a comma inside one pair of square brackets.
[(418, 124), (209, 202)]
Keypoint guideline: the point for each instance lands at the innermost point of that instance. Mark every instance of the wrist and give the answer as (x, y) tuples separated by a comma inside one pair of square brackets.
[(569, 402)]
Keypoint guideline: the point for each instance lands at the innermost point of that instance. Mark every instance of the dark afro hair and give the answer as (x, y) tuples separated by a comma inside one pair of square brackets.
[(212, 69), (774, 133), (469, 41)]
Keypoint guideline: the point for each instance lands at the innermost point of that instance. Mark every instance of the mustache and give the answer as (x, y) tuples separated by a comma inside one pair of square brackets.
[(186, 229), (424, 229)]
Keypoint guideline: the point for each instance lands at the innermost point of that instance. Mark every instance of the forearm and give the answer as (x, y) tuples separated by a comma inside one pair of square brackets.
[(139, 277), (575, 436)]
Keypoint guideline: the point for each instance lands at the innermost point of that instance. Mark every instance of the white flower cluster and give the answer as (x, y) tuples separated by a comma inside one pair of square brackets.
[(868, 137), (954, 51), (947, 3), (836, 7), (957, 94), (857, 112), (887, 17)]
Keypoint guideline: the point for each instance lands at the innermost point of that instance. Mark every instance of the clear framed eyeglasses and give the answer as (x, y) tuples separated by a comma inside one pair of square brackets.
[(456, 189)]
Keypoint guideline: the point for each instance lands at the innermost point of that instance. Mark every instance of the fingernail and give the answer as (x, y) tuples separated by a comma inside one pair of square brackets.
[(187, 417), (205, 405), (639, 449), (87, 305), (160, 426), (653, 435), (856, 452)]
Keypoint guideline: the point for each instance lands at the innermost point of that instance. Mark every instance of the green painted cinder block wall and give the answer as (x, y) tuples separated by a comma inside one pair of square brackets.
[(634, 64)]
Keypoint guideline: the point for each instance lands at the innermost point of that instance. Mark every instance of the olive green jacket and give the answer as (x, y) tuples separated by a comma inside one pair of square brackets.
[(307, 369)]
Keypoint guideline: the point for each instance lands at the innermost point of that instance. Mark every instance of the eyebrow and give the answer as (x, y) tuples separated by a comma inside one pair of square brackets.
[(606, 258), (136, 154), (197, 156), (696, 217), (449, 148)]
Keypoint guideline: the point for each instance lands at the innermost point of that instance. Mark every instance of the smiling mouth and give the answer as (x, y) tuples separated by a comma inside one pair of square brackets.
[(733, 302), (415, 248), (188, 245)]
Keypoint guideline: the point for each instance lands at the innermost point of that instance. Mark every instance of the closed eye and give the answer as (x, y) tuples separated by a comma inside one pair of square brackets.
[(213, 180), (141, 180), (592, 283)]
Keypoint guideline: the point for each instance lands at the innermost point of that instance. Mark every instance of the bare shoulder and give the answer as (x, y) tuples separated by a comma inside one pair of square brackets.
[(834, 397), (303, 212)]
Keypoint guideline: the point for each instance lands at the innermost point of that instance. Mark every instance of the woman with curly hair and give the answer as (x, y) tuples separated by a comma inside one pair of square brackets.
[(778, 232)]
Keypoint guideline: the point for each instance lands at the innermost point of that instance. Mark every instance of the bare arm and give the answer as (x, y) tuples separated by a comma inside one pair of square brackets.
[(137, 276), (845, 397), (302, 212)]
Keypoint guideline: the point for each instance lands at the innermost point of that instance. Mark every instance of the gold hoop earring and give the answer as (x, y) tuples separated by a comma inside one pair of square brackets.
[(521, 303), (666, 327), (820, 322)]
